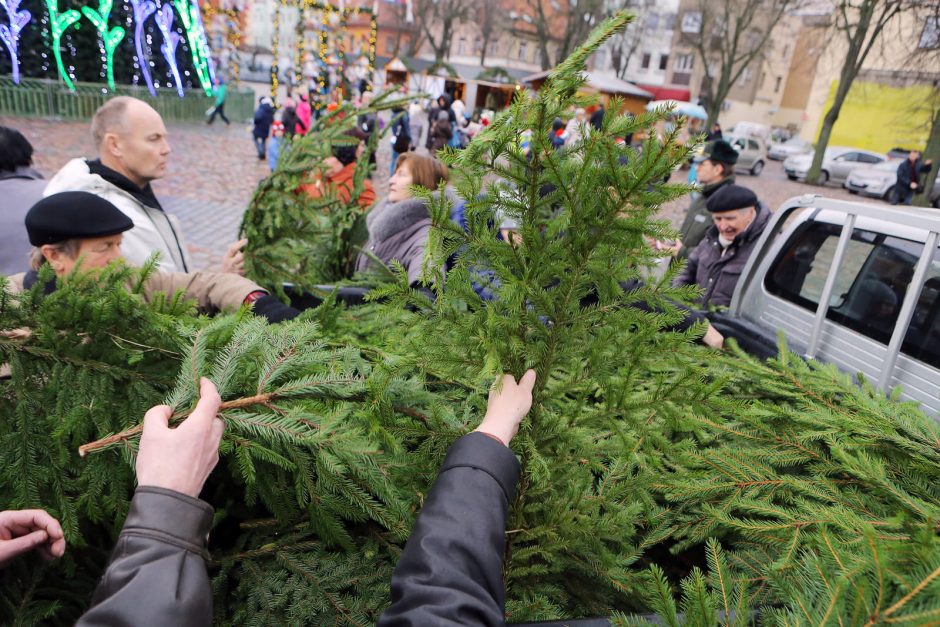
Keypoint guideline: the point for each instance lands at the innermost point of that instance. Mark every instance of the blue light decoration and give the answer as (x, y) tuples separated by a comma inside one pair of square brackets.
[(10, 34), (143, 9), (171, 39)]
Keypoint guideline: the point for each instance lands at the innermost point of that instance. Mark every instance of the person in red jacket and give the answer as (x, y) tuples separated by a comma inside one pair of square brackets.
[(338, 178)]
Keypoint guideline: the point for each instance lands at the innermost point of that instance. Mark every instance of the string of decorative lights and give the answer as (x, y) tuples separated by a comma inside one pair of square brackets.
[(233, 35), (274, 48), (329, 15)]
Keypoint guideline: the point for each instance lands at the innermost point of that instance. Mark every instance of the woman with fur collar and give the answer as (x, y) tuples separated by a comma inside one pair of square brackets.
[(399, 224)]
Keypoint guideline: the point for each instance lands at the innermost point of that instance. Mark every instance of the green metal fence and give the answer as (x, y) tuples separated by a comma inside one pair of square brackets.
[(35, 97)]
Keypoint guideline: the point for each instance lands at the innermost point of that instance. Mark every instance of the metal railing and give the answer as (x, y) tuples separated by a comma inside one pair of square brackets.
[(37, 97)]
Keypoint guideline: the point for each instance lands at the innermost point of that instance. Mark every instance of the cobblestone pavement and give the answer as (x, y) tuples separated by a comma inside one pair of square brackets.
[(214, 170)]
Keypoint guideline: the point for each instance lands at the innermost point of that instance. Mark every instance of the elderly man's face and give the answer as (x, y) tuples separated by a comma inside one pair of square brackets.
[(140, 145), (732, 223), (95, 253)]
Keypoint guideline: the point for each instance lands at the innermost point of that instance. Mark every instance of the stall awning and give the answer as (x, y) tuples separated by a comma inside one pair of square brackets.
[(602, 82), (669, 92)]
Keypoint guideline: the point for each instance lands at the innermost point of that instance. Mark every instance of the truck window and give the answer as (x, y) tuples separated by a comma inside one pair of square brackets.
[(922, 341), (870, 285)]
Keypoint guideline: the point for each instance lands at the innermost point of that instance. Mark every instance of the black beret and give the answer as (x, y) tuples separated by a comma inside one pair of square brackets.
[(720, 151), (729, 198), (73, 215)]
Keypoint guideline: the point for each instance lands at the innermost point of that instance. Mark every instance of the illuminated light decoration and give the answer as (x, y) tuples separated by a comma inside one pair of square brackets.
[(332, 19), (171, 39), (195, 35), (109, 37), (143, 9), (58, 23), (204, 42), (299, 45), (274, 49), (10, 34), (233, 35), (373, 38)]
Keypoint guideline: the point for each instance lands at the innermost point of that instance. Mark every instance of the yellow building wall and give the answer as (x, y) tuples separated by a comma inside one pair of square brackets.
[(880, 117)]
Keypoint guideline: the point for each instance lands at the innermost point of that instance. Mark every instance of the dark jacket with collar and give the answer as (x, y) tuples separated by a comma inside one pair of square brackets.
[(910, 173), (19, 191), (718, 274), (698, 219), (450, 572), (157, 575)]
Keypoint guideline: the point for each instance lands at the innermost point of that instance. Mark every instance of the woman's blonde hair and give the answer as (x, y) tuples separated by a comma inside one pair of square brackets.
[(69, 248)]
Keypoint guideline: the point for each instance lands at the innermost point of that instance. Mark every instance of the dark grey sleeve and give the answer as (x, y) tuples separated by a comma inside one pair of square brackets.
[(451, 569), (687, 276), (157, 575)]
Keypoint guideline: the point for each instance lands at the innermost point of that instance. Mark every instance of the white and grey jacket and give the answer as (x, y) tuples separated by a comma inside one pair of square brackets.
[(154, 229)]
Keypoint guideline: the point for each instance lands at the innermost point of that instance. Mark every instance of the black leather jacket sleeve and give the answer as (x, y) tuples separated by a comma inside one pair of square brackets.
[(157, 574), (451, 569)]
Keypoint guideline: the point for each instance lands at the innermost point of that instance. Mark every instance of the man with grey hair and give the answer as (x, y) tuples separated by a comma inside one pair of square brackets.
[(133, 151)]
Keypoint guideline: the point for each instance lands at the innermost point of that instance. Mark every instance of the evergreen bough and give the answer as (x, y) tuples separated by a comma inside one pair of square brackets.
[(658, 476)]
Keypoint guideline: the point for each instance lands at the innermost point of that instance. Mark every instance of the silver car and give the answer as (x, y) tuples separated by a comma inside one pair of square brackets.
[(838, 162), (752, 154), (780, 151), (878, 181)]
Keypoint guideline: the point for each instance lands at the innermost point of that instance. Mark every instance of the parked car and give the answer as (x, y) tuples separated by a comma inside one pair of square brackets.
[(838, 162), (849, 283), (752, 153), (878, 181), (780, 151)]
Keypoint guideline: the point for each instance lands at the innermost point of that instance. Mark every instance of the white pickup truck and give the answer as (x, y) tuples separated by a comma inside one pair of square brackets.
[(849, 283)]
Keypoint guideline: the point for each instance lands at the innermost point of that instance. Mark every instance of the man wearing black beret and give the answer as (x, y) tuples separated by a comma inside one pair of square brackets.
[(71, 226), (715, 265), (715, 171)]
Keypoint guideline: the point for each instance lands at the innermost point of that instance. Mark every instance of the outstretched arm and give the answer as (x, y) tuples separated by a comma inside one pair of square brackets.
[(157, 574), (451, 568)]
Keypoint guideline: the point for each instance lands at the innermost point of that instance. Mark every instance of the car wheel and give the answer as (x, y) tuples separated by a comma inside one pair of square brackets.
[(792, 177), (852, 191), (823, 177), (757, 168), (888, 194)]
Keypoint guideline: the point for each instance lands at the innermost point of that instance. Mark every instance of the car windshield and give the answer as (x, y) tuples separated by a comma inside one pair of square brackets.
[(797, 142)]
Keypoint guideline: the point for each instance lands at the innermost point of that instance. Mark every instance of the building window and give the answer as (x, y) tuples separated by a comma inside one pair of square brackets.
[(461, 46), (389, 44), (645, 63), (692, 22), (670, 22), (930, 36), (478, 45), (685, 62), (663, 61), (523, 50), (746, 76), (652, 22), (777, 82)]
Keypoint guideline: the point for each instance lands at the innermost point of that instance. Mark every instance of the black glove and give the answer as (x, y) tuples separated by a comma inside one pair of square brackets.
[(273, 309)]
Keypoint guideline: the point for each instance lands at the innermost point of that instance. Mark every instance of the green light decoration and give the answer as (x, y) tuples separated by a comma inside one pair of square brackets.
[(58, 23), (110, 38), (192, 23)]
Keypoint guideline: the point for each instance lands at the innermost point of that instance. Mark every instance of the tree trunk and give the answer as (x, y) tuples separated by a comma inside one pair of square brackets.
[(931, 152), (829, 121)]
